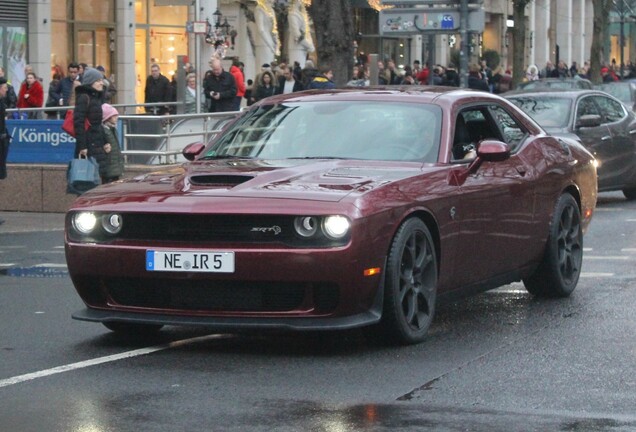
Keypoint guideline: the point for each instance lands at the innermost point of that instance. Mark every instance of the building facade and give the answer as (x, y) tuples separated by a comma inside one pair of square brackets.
[(127, 36)]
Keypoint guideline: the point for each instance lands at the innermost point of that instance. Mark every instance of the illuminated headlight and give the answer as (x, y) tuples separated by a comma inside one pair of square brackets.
[(596, 163), (336, 227), (112, 223), (84, 222), (306, 226)]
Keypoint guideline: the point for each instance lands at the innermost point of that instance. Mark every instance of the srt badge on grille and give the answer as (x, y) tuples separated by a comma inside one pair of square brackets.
[(273, 229)]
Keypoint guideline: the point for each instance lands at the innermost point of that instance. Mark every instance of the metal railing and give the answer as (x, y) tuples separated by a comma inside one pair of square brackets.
[(152, 139)]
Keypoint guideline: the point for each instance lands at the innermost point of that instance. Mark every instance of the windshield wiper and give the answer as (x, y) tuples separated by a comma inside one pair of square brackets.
[(318, 157), (225, 157)]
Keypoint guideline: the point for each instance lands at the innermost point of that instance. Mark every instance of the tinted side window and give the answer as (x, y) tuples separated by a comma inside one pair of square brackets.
[(612, 110), (586, 106), (513, 133)]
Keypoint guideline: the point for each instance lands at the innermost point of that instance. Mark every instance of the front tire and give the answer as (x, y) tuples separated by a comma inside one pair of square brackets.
[(630, 193), (559, 271), (410, 284)]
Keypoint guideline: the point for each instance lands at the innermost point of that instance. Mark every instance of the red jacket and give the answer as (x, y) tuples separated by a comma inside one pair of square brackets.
[(240, 80), (36, 95)]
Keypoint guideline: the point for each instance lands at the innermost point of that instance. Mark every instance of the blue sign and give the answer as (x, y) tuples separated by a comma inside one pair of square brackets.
[(39, 141), (448, 22)]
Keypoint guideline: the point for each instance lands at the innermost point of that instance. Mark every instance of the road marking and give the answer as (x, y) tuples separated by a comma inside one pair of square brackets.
[(14, 247), (587, 249), (630, 220), (47, 252), (595, 275), (52, 265), (628, 250), (7, 264), (107, 359)]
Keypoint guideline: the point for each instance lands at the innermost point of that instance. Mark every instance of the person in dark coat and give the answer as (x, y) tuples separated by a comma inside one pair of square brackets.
[(219, 88), (89, 138), (4, 135), (63, 90), (158, 89), (323, 81), (266, 86), (112, 165), (287, 83), (475, 81), (10, 99)]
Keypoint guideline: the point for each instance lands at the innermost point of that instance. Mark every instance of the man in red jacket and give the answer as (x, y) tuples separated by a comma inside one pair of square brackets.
[(237, 73)]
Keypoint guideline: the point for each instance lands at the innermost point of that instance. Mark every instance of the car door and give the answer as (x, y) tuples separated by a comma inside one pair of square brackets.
[(495, 208), (617, 155), (594, 138)]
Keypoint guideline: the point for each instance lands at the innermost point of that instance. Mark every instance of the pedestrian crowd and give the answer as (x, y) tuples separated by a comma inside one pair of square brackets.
[(480, 75)]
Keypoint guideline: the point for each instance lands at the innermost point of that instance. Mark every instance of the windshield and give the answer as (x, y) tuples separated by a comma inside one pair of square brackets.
[(335, 129), (549, 112)]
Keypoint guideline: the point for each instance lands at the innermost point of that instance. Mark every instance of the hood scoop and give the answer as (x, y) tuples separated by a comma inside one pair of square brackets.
[(219, 180)]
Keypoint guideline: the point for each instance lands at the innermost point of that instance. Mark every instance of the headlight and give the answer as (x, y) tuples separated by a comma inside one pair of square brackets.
[(84, 222), (336, 227), (112, 223), (306, 226)]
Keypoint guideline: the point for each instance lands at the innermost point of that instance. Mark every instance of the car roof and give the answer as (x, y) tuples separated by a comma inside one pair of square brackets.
[(421, 94), (567, 93)]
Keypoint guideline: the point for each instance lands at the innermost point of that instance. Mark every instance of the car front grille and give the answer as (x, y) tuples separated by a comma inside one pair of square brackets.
[(220, 296)]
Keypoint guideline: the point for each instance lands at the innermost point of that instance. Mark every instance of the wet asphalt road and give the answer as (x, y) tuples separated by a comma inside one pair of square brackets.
[(500, 361)]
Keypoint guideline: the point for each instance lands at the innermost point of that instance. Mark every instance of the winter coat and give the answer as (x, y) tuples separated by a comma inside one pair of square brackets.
[(112, 165), (223, 84), (88, 105), (35, 99), (321, 82), (157, 90), (239, 79), (63, 90), (10, 100)]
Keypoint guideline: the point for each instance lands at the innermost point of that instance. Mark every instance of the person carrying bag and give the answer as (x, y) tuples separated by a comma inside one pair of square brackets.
[(83, 171)]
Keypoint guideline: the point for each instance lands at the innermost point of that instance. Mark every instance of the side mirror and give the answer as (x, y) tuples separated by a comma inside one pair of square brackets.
[(192, 150), (589, 120), (493, 150)]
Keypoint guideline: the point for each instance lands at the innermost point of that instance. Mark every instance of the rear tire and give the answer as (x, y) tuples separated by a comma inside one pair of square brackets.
[(132, 329), (410, 284), (559, 271), (630, 193)]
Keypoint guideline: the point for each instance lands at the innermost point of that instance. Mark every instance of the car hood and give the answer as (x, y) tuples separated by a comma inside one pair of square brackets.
[(318, 180)]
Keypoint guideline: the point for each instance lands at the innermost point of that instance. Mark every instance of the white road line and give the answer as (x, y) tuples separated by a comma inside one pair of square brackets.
[(53, 265), (595, 275), (630, 220), (628, 250), (47, 252), (14, 247), (107, 359), (587, 249), (7, 264), (58, 247)]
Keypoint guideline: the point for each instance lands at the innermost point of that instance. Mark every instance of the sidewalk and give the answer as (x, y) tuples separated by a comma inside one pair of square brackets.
[(20, 222)]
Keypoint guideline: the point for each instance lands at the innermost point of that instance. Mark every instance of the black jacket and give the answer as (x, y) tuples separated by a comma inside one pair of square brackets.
[(88, 105), (223, 84), (298, 86), (157, 90)]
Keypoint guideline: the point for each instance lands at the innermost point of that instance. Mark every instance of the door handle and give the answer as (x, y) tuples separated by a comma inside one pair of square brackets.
[(606, 138)]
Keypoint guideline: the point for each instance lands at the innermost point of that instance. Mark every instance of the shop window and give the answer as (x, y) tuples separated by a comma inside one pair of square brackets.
[(15, 46), (102, 11)]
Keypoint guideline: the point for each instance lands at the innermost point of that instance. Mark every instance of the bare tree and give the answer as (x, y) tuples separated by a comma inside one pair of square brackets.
[(334, 36), (601, 21), (519, 41)]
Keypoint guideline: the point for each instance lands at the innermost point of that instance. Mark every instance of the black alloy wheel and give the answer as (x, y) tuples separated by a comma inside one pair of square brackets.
[(410, 285), (559, 271)]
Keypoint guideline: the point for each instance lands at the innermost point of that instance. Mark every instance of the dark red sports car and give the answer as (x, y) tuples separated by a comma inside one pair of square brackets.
[(334, 210)]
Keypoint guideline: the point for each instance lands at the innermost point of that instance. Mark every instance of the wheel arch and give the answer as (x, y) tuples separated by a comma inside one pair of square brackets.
[(576, 194), (431, 223)]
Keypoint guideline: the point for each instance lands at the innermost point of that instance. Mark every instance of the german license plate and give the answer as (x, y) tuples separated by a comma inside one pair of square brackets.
[(190, 261)]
